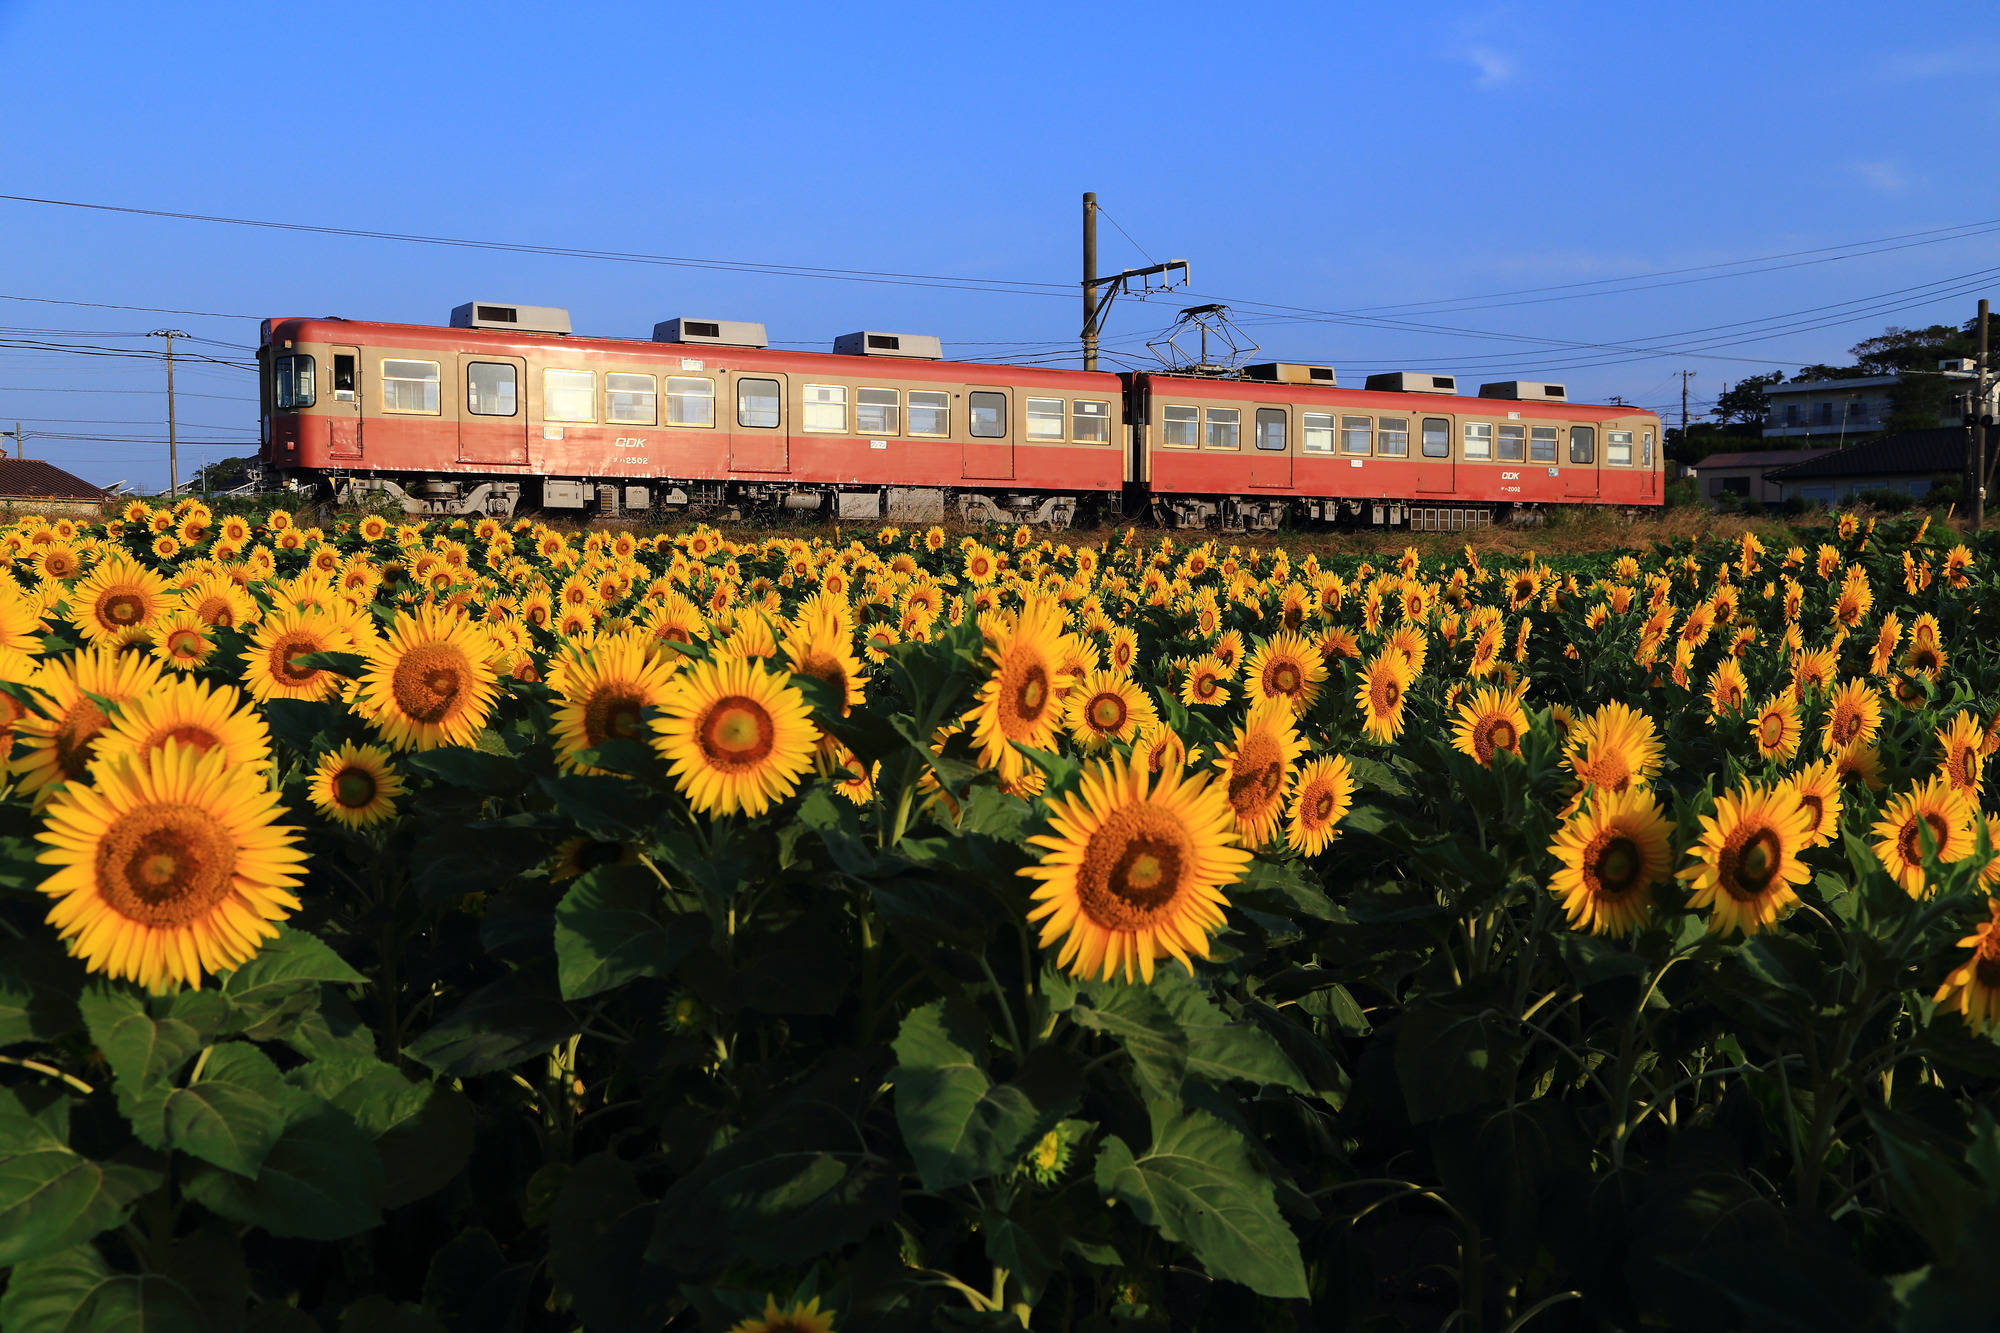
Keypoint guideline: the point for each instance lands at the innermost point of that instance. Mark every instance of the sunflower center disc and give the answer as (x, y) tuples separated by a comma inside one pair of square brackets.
[(1107, 712), (612, 716), (1285, 680), (165, 865), (185, 644), (283, 658), (1132, 868), (1616, 865), (1756, 865), (354, 788), (76, 738), (429, 681), (737, 733), (1910, 846), (1320, 810), (122, 608)]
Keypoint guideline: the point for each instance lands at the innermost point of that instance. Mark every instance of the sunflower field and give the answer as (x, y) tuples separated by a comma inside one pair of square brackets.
[(476, 927)]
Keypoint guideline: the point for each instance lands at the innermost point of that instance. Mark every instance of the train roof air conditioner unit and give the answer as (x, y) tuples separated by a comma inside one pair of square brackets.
[(516, 318), (1410, 381), (713, 332), (1284, 372), (1527, 391), (917, 346)]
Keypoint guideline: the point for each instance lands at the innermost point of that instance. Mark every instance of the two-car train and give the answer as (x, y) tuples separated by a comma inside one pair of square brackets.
[(504, 411)]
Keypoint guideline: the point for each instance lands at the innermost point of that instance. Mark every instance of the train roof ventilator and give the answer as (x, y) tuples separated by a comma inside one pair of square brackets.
[(1526, 391), (712, 332), (915, 346), (1410, 381), (516, 318), (1284, 372)]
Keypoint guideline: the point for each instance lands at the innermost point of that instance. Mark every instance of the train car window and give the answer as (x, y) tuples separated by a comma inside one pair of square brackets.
[(989, 416), (691, 401), (757, 403), (1225, 428), (631, 400), (492, 389), (1271, 429), (292, 382), (410, 386), (1478, 439), (1180, 427), (1317, 430), (1356, 434), (1583, 444), (569, 395), (1392, 437), (826, 408), (343, 377), (1437, 437), (1618, 448), (1646, 449), (1511, 440), (877, 411), (930, 412), (1089, 422), (1542, 444), (1044, 418)]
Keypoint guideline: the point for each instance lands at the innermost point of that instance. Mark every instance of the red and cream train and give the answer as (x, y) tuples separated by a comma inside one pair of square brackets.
[(505, 411)]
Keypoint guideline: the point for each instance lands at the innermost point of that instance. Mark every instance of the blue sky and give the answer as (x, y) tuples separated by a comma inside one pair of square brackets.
[(1346, 176)]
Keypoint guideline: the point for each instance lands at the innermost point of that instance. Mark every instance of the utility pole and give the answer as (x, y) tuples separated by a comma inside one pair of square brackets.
[(173, 435), (1685, 375), (1975, 451), (1090, 281)]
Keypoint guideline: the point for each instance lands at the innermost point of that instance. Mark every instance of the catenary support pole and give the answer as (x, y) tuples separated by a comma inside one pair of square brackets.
[(173, 433), (1976, 448), (1090, 281)]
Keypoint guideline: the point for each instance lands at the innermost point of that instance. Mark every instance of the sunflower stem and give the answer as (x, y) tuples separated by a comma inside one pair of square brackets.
[(1006, 1009)]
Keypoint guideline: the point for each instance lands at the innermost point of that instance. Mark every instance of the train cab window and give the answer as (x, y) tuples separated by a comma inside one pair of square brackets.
[(1090, 423), (1511, 440), (1618, 448), (492, 389), (878, 411), (631, 400), (989, 416), (1224, 428), (1392, 437), (1542, 444), (410, 386), (343, 376), (1271, 429), (1478, 440), (757, 403), (1180, 427), (691, 401), (1646, 449), (1437, 437), (569, 395), (930, 412), (1583, 444), (1357, 433), (1316, 430), (292, 382), (1043, 418), (826, 408)]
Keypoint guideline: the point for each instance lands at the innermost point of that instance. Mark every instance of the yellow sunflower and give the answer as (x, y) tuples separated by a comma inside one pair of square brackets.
[(1286, 666), (1321, 798), (1973, 988), (216, 600), (1490, 722), (21, 626), (1380, 695), (1020, 703), (1204, 683), (1859, 763), (1106, 706), (1963, 744), (1612, 852), (1747, 858), (183, 642), (821, 645), (58, 747), (171, 866), (1257, 768), (735, 736), (429, 681), (1899, 833), (356, 785), (271, 666), (1776, 727), (1853, 714), (193, 713), (1728, 690), (117, 598), (1134, 870), (604, 688), (797, 1317), (1615, 748), (1817, 787)]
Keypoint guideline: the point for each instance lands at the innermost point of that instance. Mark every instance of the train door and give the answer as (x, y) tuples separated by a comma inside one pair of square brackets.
[(989, 448), (1579, 468), (1436, 470), (1271, 459), (343, 404), (494, 426), (759, 439)]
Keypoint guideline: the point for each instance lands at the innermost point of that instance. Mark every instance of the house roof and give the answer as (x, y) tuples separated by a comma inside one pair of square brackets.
[(1834, 386), (1941, 449), (34, 479), (1759, 458)]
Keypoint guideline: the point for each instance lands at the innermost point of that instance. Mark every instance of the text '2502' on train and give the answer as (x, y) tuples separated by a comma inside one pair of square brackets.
[(504, 411)]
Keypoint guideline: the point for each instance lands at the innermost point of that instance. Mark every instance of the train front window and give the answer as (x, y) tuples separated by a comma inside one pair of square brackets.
[(292, 382), (930, 412), (876, 411), (1583, 444), (691, 401), (1392, 437), (1437, 437), (1542, 444), (410, 386), (1618, 448), (492, 389), (1225, 427), (1511, 440), (1478, 439), (569, 395), (1045, 418), (1180, 427), (989, 416), (1316, 428), (631, 400), (757, 403), (1090, 423), (1271, 429)]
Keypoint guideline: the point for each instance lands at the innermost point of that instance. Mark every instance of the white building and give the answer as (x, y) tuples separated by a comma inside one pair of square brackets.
[(1827, 410)]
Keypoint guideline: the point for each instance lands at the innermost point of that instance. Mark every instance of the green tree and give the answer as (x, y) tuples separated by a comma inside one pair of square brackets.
[(1748, 401)]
